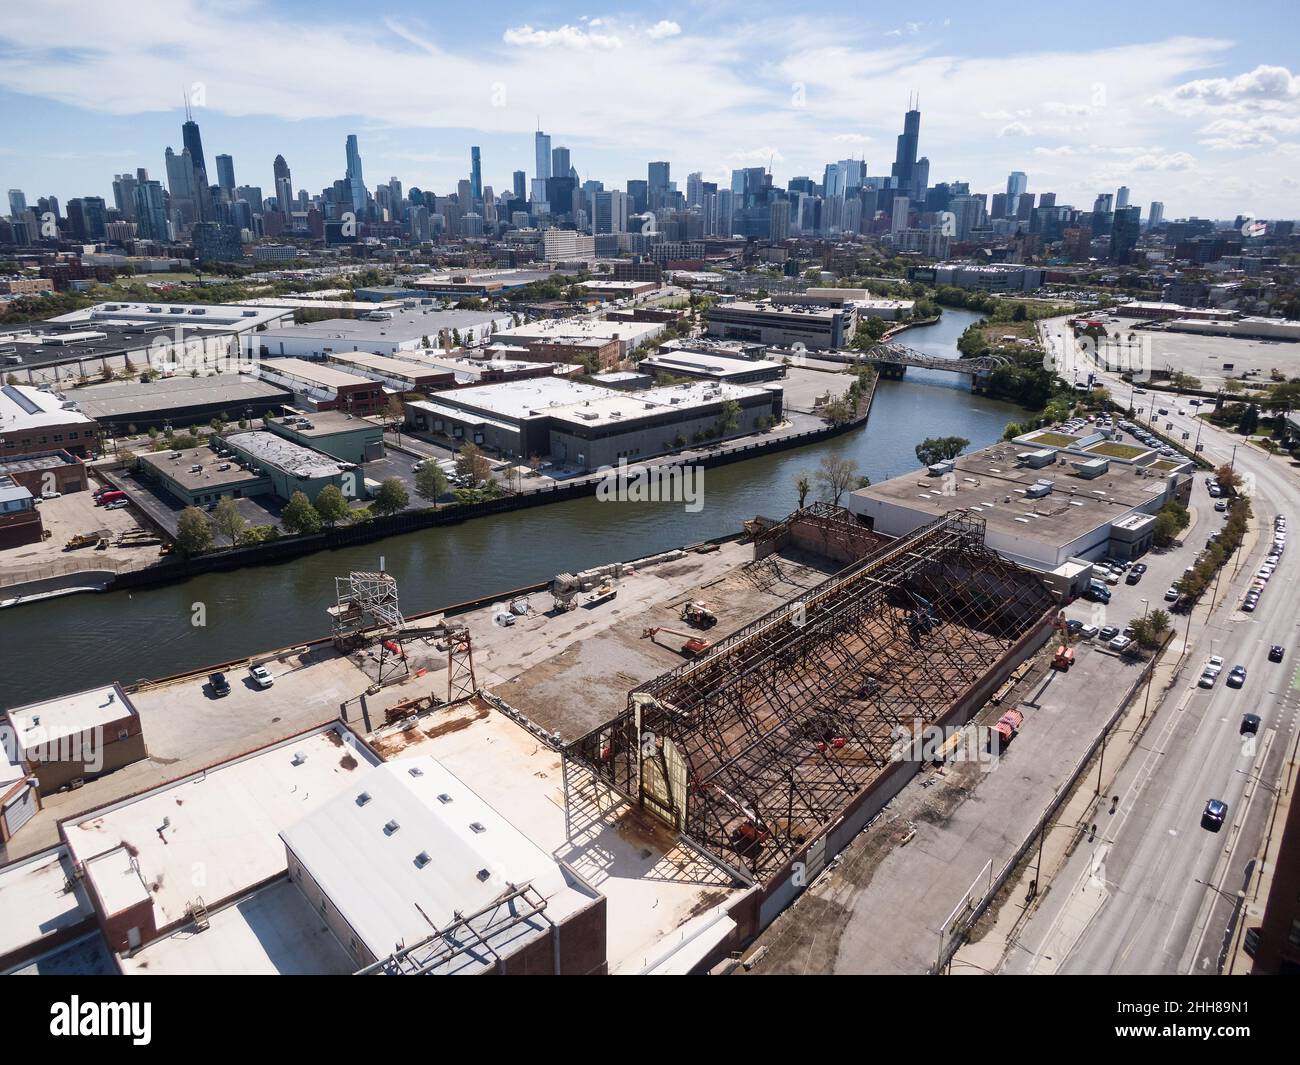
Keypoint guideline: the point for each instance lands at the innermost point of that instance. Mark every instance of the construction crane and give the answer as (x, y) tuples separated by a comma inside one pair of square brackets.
[(692, 648)]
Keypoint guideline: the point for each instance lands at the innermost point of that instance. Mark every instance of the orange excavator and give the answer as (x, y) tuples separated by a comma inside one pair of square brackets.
[(692, 648)]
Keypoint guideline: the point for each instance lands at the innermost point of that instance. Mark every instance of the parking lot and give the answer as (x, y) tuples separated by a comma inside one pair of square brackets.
[(1205, 357), (75, 514)]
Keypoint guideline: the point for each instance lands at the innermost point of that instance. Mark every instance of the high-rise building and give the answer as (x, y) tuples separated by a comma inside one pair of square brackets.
[(1124, 234), (904, 168), (560, 162), (609, 212), (355, 177), (283, 184), (542, 157), (1047, 199), (1156, 215), (639, 191), (898, 220), (779, 220), (520, 181), (149, 210), (657, 175), (88, 218), (17, 202), (124, 195), (1017, 182), (181, 183), (695, 189), (226, 174), (1121, 199), (475, 174)]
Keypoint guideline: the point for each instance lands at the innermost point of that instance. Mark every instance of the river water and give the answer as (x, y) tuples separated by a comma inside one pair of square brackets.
[(79, 641)]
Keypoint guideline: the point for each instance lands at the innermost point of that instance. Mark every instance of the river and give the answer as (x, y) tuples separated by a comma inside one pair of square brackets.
[(75, 642)]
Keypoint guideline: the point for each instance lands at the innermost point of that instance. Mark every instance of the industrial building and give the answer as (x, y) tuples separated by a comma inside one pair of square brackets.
[(321, 387), (33, 421), (182, 400), (20, 517), (381, 333), (817, 328), (983, 277), (710, 366), (290, 466), (401, 375), (1041, 506), (45, 471), (342, 436), (565, 332), (618, 290), (77, 737), (586, 426), (500, 363)]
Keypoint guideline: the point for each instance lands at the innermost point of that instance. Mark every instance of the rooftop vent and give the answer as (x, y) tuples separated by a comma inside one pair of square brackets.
[(422, 859), (476, 827), (391, 827), (363, 798), (299, 758), (483, 875), (444, 798), (416, 771)]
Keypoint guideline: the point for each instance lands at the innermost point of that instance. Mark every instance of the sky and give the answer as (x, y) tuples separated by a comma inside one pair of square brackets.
[(1193, 104)]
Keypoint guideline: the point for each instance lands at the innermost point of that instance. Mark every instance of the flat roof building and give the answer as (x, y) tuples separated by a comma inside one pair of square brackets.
[(290, 466), (33, 420), (401, 375), (342, 436), (181, 400), (815, 327), (710, 366), (78, 736), (567, 331), (384, 333), (323, 387)]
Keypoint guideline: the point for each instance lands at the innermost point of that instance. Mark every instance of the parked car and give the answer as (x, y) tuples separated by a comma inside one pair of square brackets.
[(1139, 567), (1171, 596), (1221, 505), (1088, 632), (1133, 576), (1109, 633), (261, 676), (1121, 643), (1275, 653), (1249, 724), (1215, 811), (220, 686), (1074, 626)]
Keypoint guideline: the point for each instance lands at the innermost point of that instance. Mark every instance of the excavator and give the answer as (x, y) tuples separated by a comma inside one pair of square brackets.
[(692, 648)]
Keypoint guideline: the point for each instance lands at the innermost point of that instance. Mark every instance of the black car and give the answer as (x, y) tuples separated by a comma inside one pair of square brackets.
[(1237, 677), (1073, 626), (1140, 567), (220, 686), (1275, 653), (1249, 724), (1133, 576), (1215, 811)]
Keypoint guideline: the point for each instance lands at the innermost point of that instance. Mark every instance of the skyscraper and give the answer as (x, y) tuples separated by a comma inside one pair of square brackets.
[(560, 162), (695, 189), (475, 174), (226, 174), (283, 185), (542, 156), (355, 177), (1124, 235), (149, 211), (1121, 200), (1016, 185), (1156, 215), (520, 185), (609, 212), (17, 202), (182, 184), (658, 177), (905, 158)]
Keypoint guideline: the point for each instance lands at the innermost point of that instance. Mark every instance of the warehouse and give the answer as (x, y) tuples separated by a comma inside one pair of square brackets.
[(322, 387), (200, 477), (710, 366), (341, 436), (290, 466), (559, 333), (33, 420), (1040, 507), (817, 328), (383, 333), (45, 471), (401, 375), (409, 866), (584, 426), (181, 400)]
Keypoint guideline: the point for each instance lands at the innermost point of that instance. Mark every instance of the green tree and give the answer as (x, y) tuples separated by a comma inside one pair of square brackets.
[(729, 420), (938, 448), (193, 532), (299, 516), (391, 497), (332, 505), (227, 520), (430, 481)]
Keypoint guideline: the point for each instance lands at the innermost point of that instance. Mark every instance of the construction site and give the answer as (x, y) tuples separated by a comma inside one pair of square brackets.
[(690, 737)]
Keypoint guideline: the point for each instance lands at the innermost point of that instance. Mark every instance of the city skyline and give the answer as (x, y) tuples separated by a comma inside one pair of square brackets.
[(1206, 125)]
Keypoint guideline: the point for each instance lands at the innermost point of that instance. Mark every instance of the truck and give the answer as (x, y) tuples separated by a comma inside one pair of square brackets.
[(1007, 726), (110, 497), (90, 539)]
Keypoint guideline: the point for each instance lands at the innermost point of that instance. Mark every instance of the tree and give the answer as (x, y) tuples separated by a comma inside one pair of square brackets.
[(803, 484), (938, 448), (430, 481), (1149, 631), (332, 505), (299, 516), (391, 497), (730, 417), (1248, 423), (227, 520), (835, 476), (193, 532), (1228, 479), (473, 464)]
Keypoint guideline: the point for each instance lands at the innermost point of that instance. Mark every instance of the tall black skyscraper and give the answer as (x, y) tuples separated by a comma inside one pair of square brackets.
[(905, 159), (475, 174)]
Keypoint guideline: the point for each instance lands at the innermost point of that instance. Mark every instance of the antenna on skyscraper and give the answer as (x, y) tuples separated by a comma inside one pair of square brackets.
[(185, 102)]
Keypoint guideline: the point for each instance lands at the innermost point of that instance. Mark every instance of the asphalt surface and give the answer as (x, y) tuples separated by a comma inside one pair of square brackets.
[(1154, 891)]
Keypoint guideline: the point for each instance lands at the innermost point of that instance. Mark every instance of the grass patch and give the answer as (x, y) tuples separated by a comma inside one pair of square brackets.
[(1117, 451), (1053, 439)]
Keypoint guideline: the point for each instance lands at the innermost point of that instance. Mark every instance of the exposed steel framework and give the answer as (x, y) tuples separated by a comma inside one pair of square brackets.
[(752, 750)]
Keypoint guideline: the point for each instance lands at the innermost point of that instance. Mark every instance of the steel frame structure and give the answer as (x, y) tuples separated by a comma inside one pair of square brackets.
[(754, 749)]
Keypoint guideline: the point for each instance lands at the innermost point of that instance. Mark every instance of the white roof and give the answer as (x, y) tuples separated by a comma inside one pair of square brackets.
[(313, 373), (23, 407), (285, 455), (409, 846), (117, 880), (69, 715)]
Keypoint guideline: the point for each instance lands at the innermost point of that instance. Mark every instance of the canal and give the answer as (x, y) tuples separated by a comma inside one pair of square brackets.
[(74, 642)]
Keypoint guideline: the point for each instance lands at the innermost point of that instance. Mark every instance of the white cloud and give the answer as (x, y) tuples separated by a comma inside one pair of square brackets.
[(663, 28), (1015, 129), (564, 37), (1262, 86)]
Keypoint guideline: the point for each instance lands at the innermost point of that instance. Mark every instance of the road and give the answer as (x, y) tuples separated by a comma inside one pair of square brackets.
[(1154, 892)]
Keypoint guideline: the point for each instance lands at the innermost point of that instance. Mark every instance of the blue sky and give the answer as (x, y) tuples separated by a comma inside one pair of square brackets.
[(1193, 104)]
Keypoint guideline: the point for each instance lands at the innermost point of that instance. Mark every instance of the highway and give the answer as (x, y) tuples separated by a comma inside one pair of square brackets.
[(1153, 891)]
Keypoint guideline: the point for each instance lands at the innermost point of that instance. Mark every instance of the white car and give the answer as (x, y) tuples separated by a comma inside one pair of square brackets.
[(1213, 665), (49, 493), (261, 676), (1120, 643)]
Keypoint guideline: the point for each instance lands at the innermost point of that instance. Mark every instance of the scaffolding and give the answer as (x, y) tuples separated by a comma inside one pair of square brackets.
[(460, 666), (366, 605), (753, 750)]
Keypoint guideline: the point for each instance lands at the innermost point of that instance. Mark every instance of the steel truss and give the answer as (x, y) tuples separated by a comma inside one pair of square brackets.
[(789, 718)]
